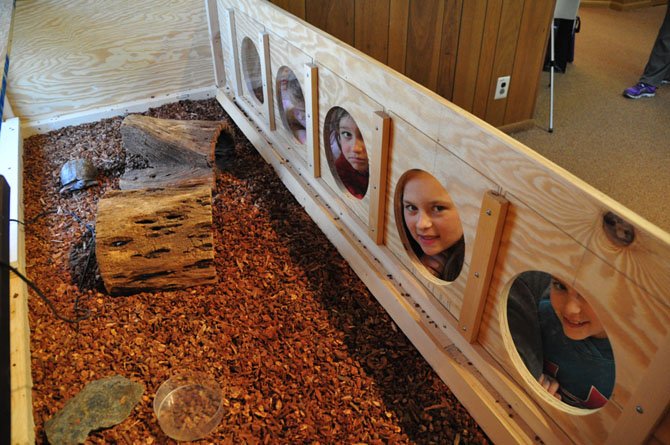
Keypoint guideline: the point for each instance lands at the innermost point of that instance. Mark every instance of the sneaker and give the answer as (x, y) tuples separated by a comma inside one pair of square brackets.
[(640, 90), (665, 81)]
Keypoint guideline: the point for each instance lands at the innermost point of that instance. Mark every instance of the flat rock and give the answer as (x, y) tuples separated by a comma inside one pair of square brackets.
[(101, 404)]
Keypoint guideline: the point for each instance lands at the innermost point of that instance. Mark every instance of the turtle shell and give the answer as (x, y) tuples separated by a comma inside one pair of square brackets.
[(77, 174)]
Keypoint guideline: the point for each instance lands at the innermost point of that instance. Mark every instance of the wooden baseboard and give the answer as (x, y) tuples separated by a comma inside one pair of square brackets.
[(518, 126), (596, 3), (23, 425), (616, 5)]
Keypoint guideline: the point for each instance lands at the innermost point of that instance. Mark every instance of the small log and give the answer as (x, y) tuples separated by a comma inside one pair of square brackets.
[(155, 239), (169, 146), (166, 176)]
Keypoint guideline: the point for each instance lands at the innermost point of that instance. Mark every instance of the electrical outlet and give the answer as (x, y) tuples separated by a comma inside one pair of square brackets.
[(502, 87)]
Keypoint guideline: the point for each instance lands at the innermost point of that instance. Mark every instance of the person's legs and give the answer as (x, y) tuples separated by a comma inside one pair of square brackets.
[(659, 59), (657, 70)]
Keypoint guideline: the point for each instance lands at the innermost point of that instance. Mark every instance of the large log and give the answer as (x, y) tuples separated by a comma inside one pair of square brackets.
[(155, 239), (178, 152)]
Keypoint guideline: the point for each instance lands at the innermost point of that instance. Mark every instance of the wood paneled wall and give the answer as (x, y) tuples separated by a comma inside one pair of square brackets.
[(456, 48)]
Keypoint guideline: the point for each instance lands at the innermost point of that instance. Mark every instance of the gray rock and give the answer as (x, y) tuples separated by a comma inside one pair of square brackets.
[(101, 404)]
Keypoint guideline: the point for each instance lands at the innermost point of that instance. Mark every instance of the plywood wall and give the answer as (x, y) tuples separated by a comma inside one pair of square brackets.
[(72, 57), (554, 222), (456, 48)]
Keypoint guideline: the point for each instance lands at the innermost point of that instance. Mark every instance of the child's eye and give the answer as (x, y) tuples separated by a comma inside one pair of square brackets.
[(439, 208), (410, 208), (558, 285), (346, 134)]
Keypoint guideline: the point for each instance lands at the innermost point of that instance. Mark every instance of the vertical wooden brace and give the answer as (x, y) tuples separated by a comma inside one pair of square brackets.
[(266, 72), (484, 252), (215, 42), (311, 78), (232, 40), (378, 171)]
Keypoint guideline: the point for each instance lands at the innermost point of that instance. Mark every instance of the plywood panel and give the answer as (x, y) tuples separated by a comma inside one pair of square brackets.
[(423, 41), (371, 28), (526, 240), (283, 54), (533, 179), (469, 49), (68, 54), (636, 322), (335, 92), (646, 261), (413, 150), (336, 17)]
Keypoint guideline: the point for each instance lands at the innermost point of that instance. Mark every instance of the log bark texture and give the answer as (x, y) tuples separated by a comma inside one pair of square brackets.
[(155, 239), (178, 152)]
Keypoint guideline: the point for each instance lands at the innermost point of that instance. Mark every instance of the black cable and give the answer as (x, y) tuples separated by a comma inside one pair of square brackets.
[(77, 309), (87, 312)]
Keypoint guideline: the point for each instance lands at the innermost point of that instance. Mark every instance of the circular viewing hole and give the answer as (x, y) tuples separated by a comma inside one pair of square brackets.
[(291, 104), (430, 226), (346, 153), (251, 66), (560, 340)]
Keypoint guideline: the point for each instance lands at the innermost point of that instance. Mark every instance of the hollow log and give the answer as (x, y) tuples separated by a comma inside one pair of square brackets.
[(155, 239), (178, 152)]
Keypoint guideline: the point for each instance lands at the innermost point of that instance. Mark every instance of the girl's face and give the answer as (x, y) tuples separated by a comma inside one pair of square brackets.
[(353, 147), (579, 320), (430, 214)]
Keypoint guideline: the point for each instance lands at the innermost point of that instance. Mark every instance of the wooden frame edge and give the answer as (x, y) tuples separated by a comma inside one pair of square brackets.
[(489, 231)]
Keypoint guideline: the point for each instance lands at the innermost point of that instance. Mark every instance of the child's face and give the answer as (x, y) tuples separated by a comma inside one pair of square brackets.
[(353, 147), (430, 214), (579, 320)]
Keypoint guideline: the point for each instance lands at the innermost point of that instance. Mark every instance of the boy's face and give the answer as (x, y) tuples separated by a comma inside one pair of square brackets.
[(430, 214), (353, 147), (579, 320)]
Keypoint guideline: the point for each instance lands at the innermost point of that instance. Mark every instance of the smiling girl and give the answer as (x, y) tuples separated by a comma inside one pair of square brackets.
[(432, 221)]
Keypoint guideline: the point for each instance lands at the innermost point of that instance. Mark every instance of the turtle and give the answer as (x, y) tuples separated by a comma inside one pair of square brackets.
[(77, 174)]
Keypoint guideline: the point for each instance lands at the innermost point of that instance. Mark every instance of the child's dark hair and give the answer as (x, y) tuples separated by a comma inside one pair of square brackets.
[(295, 91), (337, 114)]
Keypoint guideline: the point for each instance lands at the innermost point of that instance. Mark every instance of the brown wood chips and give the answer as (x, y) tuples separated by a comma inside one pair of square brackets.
[(302, 350)]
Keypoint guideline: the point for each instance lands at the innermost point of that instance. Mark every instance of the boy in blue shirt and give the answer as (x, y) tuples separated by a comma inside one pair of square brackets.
[(576, 355)]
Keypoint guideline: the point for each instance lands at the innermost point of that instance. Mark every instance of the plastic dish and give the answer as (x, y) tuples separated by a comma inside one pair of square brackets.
[(188, 407)]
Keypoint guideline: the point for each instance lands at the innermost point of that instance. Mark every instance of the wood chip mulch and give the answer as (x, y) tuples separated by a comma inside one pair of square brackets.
[(302, 350)]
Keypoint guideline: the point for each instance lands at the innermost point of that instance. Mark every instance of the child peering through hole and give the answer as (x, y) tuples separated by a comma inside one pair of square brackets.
[(293, 103), (561, 340), (433, 224), (351, 157)]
